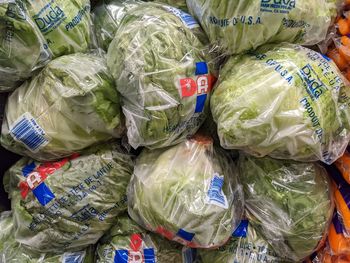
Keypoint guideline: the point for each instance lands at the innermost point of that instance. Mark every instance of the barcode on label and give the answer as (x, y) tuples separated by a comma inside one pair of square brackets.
[(76, 257), (215, 194), (27, 131), (187, 19)]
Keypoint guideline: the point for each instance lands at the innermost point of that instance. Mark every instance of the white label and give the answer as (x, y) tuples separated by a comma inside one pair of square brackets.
[(27, 131), (187, 19), (215, 195), (75, 257)]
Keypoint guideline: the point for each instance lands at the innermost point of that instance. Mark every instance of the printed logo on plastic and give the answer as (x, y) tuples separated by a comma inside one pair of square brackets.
[(136, 254), (277, 6), (49, 17), (215, 195), (200, 86), (35, 177)]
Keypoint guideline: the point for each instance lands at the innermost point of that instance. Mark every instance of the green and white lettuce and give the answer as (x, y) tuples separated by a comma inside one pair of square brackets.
[(159, 59), (13, 252), (107, 16), (187, 193), (66, 25), (245, 246), (286, 101), (241, 25), (289, 203), (69, 204), (21, 45), (70, 105), (121, 237)]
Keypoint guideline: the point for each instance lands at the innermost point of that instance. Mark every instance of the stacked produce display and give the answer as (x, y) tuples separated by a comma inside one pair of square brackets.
[(175, 131)]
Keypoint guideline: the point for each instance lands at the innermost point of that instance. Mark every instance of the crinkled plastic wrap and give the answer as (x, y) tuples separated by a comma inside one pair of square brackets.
[(107, 16), (242, 25), (127, 242), (66, 25), (21, 45), (289, 203), (68, 204), (340, 177), (71, 104), (14, 252), (187, 193), (245, 246), (160, 62), (181, 4), (287, 101)]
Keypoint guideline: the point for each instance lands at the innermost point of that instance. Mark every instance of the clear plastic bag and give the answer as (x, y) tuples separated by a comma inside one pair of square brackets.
[(107, 16), (22, 47), (245, 246), (160, 61), (290, 204), (12, 252), (70, 105), (68, 204), (241, 25), (66, 25), (285, 101), (188, 193), (127, 242)]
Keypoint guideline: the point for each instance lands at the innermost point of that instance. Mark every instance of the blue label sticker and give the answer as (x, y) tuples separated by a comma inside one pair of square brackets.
[(121, 256), (215, 194), (26, 170), (149, 254), (201, 99), (242, 229), (43, 194), (27, 131), (201, 68), (186, 18), (185, 235)]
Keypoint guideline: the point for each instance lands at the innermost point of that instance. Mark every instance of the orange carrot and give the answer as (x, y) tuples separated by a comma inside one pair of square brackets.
[(343, 26), (338, 59), (345, 52), (338, 243), (342, 209), (345, 40), (347, 74), (343, 165)]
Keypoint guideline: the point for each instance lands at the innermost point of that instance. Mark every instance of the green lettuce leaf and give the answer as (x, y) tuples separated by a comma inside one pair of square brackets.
[(242, 25), (107, 16), (13, 252), (155, 49), (245, 246), (121, 236), (74, 102), (68, 204), (21, 45), (286, 101), (188, 193), (289, 203), (66, 25)]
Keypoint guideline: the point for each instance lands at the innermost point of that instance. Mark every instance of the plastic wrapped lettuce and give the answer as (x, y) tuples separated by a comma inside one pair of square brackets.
[(21, 45), (245, 246), (66, 25), (287, 102), (127, 242), (159, 60), (289, 203), (107, 16), (187, 193), (181, 4), (71, 104), (13, 252), (68, 204), (242, 25)]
